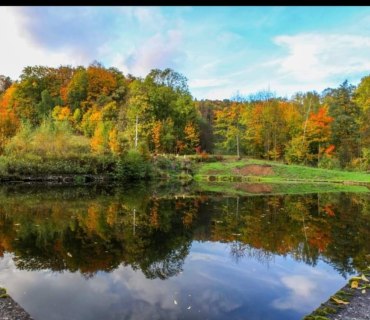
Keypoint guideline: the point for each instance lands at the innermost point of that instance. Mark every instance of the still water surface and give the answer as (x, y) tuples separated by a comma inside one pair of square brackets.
[(143, 253)]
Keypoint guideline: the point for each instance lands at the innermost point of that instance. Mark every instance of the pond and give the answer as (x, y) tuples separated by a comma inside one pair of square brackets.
[(144, 252)]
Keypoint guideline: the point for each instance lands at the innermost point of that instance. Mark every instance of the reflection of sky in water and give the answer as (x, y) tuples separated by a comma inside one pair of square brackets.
[(211, 286)]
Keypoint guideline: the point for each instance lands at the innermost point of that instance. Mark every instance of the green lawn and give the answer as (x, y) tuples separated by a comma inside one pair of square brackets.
[(223, 171)]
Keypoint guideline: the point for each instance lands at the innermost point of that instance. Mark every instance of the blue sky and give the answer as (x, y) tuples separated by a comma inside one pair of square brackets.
[(221, 50)]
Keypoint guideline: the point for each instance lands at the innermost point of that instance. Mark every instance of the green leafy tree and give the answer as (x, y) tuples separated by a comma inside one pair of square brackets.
[(362, 98), (46, 104), (76, 90), (345, 127), (229, 127), (5, 83)]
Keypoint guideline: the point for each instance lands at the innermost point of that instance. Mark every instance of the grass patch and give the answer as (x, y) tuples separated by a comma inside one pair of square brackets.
[(316, 318), (324, 311), (281, 172), (3, 293)]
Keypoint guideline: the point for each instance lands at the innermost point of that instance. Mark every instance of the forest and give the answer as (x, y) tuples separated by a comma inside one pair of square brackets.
[(96, 119)]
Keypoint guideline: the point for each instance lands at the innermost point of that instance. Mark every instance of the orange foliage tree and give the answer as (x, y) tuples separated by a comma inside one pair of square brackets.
[(157, 128), (9, 123), (191, 136), (100, 82), (318, 132)]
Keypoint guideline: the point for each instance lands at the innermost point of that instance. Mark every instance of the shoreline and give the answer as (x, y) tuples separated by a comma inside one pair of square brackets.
[(76, 179), (166, 168), (348, 303), (11, 310), (72, 179)]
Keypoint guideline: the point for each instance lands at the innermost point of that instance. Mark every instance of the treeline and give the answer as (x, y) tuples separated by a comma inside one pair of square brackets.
[(93, 120), (100, 113), (329, 130), (104, 106)]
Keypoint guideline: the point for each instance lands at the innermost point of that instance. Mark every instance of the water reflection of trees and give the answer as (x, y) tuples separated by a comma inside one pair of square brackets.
[(333, 227), (90, 230), (240, 251)]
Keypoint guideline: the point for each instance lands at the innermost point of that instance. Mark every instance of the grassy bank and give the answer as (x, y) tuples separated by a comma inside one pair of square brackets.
[(252, 170), (212, 174)]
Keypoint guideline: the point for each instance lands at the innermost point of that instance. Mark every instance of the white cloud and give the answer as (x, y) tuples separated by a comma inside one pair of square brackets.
[(159, 51), (138, 39), (18, 51), (300, 285), (149, 17), (317, 58), (311, 62), (303, 293)]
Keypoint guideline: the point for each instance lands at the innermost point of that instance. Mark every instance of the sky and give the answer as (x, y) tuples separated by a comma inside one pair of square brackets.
[(222, 51)]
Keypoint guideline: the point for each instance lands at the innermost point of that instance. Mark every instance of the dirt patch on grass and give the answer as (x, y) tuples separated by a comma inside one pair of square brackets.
[(254, 170), (254, 187)]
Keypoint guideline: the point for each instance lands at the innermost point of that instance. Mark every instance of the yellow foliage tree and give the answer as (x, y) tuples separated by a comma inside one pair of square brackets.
[(157, 128), (61, 113), (90, 120), (100, 140), (191, 136), (114, 143)]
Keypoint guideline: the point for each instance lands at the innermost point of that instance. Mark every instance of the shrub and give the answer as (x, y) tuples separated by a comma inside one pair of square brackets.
[(49, 140), (219, 157), (297, 151), (144, 150), (360, 164), (133, 166), (166, 163), (366, 158), (31, 164), (53, 148), (3, 166), (327, 162), (205, 157)]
